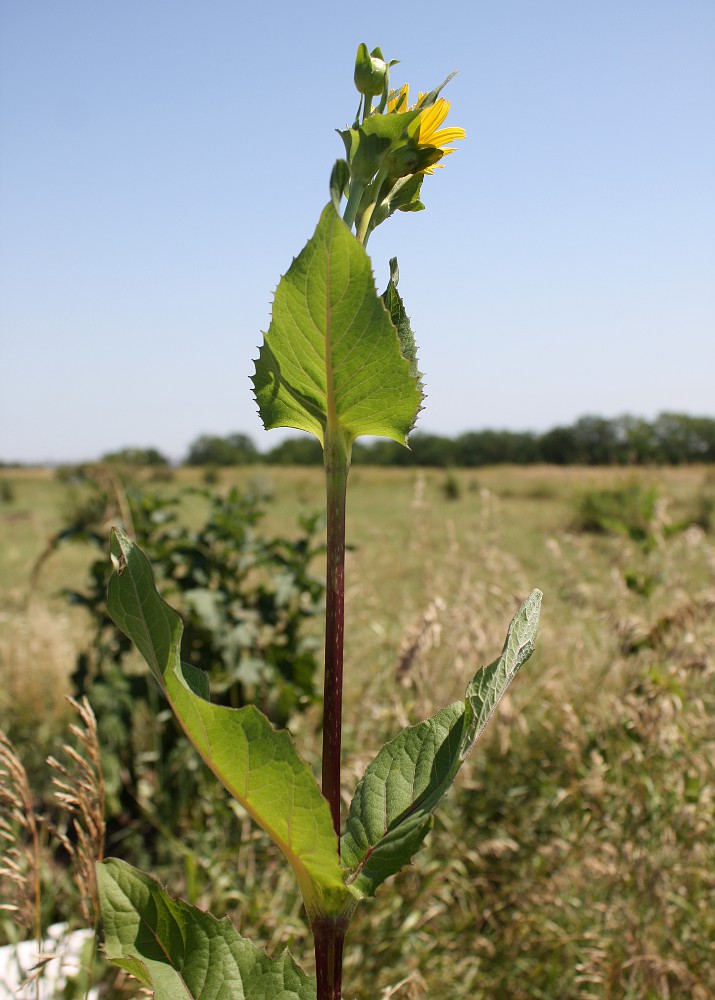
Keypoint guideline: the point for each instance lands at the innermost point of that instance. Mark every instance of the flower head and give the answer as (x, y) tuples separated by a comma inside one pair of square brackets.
[(390, 147), (426, 129)]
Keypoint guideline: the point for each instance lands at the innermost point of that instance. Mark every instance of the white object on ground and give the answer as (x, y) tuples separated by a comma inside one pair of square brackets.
[(16, 961)]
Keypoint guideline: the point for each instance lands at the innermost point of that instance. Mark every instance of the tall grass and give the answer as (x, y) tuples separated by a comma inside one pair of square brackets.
[(32, 840), (20, 868)]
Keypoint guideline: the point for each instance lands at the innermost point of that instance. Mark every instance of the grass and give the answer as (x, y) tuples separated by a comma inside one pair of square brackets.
[(574, 857)]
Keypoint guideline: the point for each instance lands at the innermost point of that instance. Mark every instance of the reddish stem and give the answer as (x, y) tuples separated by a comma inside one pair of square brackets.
[(329, 937), (336, 470), (328, 932)]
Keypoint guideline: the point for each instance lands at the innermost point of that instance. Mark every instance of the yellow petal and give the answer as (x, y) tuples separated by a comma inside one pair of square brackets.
[(401, 97), (447, 135)]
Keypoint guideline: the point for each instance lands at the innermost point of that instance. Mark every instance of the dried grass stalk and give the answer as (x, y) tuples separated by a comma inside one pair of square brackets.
[(20, 885), (79, 789), (416, 988), (424, 634)]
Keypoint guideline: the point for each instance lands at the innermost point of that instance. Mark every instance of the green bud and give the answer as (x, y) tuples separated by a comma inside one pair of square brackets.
[(370, 71)]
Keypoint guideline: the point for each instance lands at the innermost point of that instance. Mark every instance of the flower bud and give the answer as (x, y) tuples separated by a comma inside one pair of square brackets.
[(370, 71)]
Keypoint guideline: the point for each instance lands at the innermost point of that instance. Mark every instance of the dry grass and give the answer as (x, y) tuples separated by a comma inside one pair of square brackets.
[(20, 869), (31, 840), (79, 790), (37, 655)]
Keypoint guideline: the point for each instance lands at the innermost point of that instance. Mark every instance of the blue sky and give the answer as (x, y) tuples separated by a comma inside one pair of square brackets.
[(162, 162)]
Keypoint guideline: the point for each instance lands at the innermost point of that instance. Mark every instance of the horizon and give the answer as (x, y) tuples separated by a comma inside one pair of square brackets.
[(178, 460)]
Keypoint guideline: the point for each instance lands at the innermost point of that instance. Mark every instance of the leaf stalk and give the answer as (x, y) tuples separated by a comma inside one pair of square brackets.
[(357, 189)]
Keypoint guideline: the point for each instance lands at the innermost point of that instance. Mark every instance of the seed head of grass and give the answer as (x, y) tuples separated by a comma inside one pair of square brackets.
[(19, 832), (79, 790)]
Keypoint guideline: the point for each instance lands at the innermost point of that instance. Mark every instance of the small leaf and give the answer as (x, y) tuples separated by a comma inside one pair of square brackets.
[(258, 764), (402, 195), (401, 321), (430, 98), (488, 686), (331, 361), (180, 951), (339, 179), (391, 812)]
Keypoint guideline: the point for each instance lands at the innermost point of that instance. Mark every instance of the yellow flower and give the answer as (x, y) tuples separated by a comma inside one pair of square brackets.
[(428, 132)]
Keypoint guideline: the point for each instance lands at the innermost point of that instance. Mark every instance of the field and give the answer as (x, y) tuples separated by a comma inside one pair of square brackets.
[(575, 856)]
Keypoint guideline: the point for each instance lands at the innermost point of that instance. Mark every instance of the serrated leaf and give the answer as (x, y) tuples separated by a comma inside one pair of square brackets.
[(331, 363), (179, 951), (391, 812), (257, 764), (401, 321)]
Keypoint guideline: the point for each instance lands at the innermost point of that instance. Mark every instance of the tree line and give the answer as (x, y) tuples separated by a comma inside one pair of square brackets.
[(670, 439)]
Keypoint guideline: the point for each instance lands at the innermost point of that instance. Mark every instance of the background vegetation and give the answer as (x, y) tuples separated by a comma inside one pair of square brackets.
[(670, 439), (574, 858)]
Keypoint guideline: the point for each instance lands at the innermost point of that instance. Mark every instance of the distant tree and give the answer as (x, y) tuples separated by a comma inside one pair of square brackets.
[(524, 448), (599, 442), (476, 448), (559, 446), (381, 452), (431, 449), (673, 438), (136, 456), (296, 451), (235, 449), (685, 439), (640, 441)]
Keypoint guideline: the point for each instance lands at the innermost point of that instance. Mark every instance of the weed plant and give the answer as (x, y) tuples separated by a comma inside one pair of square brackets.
[(247, 601), (338, 361)]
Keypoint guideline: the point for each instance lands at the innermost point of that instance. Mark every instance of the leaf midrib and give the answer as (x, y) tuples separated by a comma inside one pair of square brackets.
[(331, 407)]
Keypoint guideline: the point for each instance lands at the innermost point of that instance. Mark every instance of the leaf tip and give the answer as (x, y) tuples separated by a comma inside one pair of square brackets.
[(117, 549)]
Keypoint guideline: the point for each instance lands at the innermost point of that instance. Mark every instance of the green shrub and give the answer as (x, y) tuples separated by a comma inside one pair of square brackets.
[(247, 600), (7, 491), (451, 486), (629, 510), (212, 475)]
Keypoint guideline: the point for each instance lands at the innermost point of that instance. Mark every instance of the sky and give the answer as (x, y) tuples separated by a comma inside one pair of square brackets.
[(162, 162)]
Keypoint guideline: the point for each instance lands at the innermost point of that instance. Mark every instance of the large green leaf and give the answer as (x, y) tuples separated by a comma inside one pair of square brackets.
[(258, 764), (331, 362), (391, 812), (180, 951)]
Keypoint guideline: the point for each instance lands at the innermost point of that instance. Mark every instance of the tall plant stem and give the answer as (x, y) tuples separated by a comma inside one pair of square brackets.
[(336, 474), (357, 189), (329, 937), (329, 932)]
